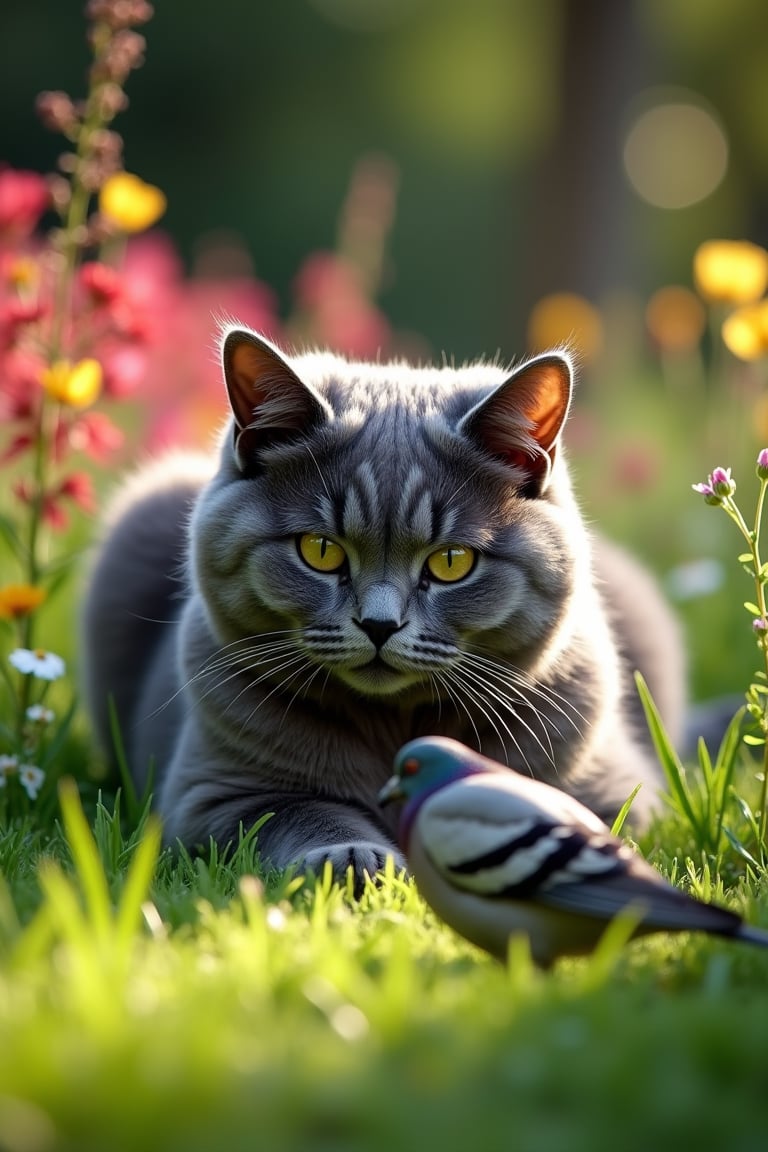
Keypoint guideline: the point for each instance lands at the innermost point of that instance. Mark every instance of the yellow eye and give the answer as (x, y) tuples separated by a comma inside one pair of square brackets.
[(451, 563), (321, 553)]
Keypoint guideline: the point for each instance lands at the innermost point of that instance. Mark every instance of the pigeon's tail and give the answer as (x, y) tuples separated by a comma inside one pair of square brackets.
[(751, 935)]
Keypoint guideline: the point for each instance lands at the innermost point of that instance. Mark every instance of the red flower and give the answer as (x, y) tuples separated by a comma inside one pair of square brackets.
[(17, 447), (100, 283), (24, 197), (78, 487), (19, 384)]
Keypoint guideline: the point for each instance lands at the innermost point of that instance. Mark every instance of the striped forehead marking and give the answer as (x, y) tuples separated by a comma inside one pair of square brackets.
[(362, 505)]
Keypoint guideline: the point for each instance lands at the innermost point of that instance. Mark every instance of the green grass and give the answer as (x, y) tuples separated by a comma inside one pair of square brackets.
[(148, 1002)]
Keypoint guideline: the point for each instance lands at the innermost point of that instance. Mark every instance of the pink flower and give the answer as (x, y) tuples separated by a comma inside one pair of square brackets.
[(16, 314), (125, 369), (95, 435), (762, 464), (719, 486), (340, 314), (24, 197)]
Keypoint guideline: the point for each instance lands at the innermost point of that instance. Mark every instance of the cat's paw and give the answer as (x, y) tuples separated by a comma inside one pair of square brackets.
[(364, 857)]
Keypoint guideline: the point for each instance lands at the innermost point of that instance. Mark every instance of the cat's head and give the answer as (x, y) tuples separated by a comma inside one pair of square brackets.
[(385, 524)]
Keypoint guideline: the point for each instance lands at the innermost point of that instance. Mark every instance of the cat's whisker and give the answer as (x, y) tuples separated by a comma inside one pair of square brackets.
[(225, 653), (483, 703), (449, 502), (493, 693), (527, 687), (302, 688), (305, 663), (297, 657), (503, 683), (235, 673), (258, 653), (458, 703), (313, 458)]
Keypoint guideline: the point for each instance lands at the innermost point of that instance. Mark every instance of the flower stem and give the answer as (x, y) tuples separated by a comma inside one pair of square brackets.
[(752, 538), (760, 589)]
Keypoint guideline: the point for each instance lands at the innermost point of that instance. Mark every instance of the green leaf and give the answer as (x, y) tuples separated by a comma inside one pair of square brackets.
[(753, 608), (8, 530), (670, 762), (745, 558)]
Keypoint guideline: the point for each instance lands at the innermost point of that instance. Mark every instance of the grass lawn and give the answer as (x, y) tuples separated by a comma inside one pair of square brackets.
[(152, 1003)]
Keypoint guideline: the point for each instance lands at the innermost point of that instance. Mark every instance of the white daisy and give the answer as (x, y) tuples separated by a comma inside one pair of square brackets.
[(8, 767), (37, 662), (40, 715), (31, 779)]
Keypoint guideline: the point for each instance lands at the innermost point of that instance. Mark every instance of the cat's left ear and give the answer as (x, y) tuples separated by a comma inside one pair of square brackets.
[(269, 402), (521, 421)]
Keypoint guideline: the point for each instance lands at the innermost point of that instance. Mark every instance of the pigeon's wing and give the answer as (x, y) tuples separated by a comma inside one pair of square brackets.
[(638, 886), (496, 838), (501, 842)]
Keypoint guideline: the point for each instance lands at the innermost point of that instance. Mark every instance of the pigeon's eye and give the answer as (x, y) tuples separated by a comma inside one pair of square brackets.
[(410, 766), (451, 563), (321, 553)]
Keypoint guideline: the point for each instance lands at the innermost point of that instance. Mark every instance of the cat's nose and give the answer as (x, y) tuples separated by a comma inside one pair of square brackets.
[(378, 631)]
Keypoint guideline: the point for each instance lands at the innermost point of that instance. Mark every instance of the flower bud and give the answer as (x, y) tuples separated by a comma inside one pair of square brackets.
[(721, 483), (762, 464)]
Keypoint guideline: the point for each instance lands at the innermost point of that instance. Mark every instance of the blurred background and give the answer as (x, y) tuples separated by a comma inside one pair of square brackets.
[(502, 174)]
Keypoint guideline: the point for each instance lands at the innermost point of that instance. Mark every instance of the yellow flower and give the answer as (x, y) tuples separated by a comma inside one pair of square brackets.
[(730, 271), (675, 319), (23, 274), (129, 203), (565, 318), (745, 331), (19, 600), (76, 385)]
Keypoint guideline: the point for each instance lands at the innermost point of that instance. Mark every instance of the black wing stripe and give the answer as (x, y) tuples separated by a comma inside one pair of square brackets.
[(567, 849), (502, 853)]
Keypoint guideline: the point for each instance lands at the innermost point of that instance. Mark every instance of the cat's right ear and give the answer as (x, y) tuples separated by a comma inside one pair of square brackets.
[(269, 402)]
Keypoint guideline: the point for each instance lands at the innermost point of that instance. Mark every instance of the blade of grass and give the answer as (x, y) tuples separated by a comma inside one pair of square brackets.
[(85, 856), (138, 880), (668, 758)]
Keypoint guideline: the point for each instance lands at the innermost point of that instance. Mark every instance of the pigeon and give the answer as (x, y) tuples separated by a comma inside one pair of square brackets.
[(498, 855)]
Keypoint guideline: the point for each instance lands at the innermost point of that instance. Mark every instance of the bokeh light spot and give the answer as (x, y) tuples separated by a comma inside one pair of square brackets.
[(675, 152)]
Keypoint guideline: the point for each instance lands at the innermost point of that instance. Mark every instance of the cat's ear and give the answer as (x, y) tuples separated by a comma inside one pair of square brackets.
[(268, 400), (521, 421)]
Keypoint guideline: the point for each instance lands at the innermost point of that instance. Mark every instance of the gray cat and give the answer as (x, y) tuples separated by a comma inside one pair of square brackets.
[(380, 552)]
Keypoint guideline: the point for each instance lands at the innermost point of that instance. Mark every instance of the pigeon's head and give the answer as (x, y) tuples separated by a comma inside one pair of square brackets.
[(424, 765)]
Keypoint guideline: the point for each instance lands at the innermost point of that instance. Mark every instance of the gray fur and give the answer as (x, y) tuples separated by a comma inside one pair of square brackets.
[(241, 672)]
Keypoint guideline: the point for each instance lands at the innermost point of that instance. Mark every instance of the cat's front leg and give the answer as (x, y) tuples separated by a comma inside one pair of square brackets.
[(303, 829), (310, 833)]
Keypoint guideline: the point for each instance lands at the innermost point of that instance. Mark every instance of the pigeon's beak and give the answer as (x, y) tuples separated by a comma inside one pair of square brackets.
[(392, 790)]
